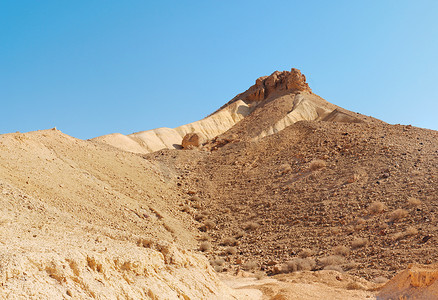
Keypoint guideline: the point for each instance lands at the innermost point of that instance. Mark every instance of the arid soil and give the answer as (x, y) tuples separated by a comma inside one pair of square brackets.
[(296, 203), (307, 197)]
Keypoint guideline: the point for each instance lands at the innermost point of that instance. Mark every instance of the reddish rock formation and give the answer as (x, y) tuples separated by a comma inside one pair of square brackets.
[(192, 140), (416, 282), (277, 82)]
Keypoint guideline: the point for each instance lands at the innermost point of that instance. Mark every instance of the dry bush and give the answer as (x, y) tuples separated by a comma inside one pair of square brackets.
[(397, 214), (209, 224), (251, 226), (200, 217), (194, 198), (229, 241), (376, 207), (146, 243), (331, 260), (230, 250), (341, 250), (196, 205), (350, 265), (239, 234), (355, 286), (334, 268), (217, 262), (306, 252), (380, 280), (185, 208), (360, 221), (250, 265), (414, 202), (204, 237), (300, 264), (317, 164), (205, 246), (408, 232), (285, 168), (359, 243), (259, 275), (218, 269)]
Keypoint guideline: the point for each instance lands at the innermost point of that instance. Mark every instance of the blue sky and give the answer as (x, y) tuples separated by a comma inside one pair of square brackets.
[(96, 67)]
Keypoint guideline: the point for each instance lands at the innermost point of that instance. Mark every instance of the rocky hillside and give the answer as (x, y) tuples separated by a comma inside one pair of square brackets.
[(276, 181)]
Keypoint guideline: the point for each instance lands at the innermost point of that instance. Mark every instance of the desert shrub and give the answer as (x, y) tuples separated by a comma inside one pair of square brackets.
[(185, 208), (259, 275), (306, 252), (250, 265), (230, 250), (285, 168), (209, 224), (380, 280), (359, 243), (195, 198), (251, 226), (331, 260), (217, 262), (360, 221), (353, 285), (146, 243), (205, 246), (239, 234), (408, 232), (350, 265), (204, 237), (334, 268), (376, 207), (300, 264), (397, 214), (218, 269), (317, 164), (414, 202), (341, 250), (229, 241), (200, 217)]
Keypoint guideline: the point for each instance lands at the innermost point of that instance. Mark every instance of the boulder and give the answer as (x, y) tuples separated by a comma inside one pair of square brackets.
[(192, 140)]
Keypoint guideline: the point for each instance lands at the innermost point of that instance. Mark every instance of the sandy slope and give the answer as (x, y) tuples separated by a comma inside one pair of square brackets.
[(288, 184)]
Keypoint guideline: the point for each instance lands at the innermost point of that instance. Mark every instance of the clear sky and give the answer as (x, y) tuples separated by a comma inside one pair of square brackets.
[(101, 66)]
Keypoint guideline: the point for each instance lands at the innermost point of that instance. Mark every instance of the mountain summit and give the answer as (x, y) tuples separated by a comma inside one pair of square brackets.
[(270, 105)]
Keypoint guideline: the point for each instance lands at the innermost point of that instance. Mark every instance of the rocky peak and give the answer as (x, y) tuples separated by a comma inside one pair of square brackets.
[(292, 81)]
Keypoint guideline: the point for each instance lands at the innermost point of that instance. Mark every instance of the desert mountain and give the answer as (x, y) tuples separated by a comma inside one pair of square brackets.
[(270, 105), (278, 180)]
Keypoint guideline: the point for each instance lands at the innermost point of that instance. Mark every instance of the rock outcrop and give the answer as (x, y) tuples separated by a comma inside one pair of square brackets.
[(292, 81), (273, 103), (192, 140), (417, 282)]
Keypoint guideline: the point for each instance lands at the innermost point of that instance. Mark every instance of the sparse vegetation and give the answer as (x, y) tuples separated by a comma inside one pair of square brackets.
[(204, 237), (317, 164), (205, 246), (185, 208), (397, 214), (301, 264), (209, 224), (376, 207), (331, 260), (230, 250), (239, 234), (251, 226), (341, 250), (229, 241), (306, 252), (414, 202), (249, 266), (410, 231), (359, 243)]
